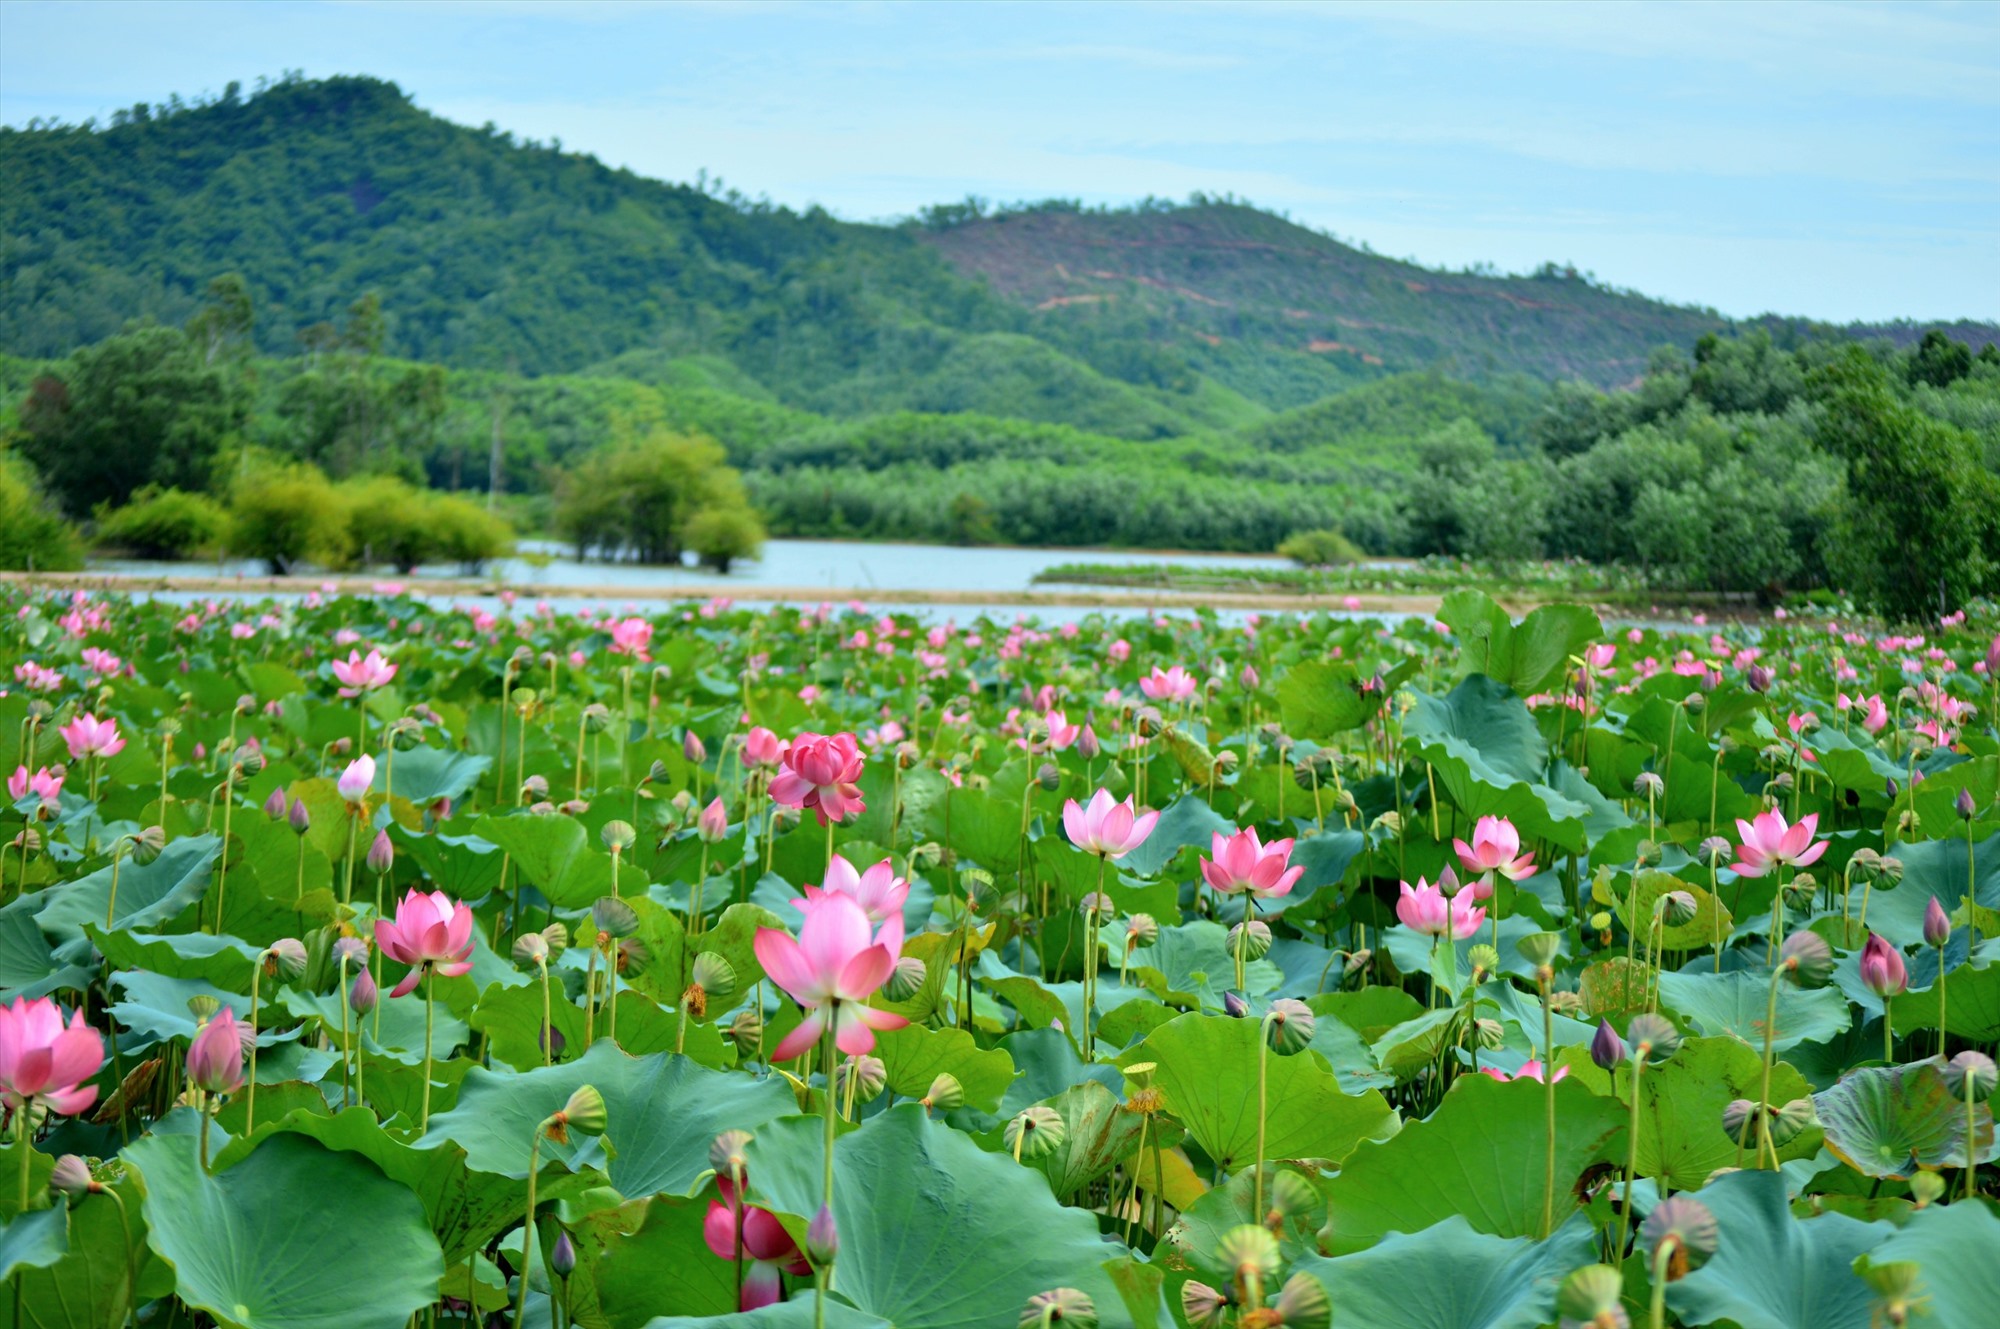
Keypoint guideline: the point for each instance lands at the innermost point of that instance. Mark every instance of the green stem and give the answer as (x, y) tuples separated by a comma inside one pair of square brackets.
[(131, 1270), (1542, 981), (250, 1097), (528, 1227), (1631, 1158), (823, 1276), (1257, 1163), (1764, 1090), (1941, 1002), (111, 905), (1971, 1162), (1660, 1259), (546, 1039), (430, 1018), (1242, 939)]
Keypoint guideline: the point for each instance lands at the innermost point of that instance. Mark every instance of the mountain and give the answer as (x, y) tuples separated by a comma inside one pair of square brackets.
[(489, 252)]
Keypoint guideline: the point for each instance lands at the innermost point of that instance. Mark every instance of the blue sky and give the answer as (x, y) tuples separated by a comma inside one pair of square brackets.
[(1834, 160)]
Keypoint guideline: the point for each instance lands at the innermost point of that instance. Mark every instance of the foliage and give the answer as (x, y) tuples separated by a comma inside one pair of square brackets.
[(288, 514), (644, 498), (165, 523), (32, 533), (1319, 549)]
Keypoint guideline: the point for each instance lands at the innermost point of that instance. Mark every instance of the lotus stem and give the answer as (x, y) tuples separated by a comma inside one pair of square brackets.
[(1941, 999), (340, 994), (430, 1018), (547, 1038), (823, 1276), (1257, 1161), (528, 1226), (1764, 1091), (1661, 1257), (1544, 977), (250, 1096), (1971, 1156), (1631, 1152), (117, 859), (131, 1271)]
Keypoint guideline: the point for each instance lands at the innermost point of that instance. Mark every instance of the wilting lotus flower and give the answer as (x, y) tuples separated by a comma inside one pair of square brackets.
[(358, 675), (1882, 967), (1495, 847), (1111, 830), (834, 964), (43, 784), (1240, 862), (879, 891), (44, 1060), (820, 773), (357, 779), (215, 1056), (1425, 908), (768, 1248), (1769, 840), (1530, 1070), (1175, 684), (430, 933), (89, 736)]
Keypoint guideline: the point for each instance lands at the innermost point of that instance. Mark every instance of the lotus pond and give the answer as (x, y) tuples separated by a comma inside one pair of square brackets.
[(371, 962)]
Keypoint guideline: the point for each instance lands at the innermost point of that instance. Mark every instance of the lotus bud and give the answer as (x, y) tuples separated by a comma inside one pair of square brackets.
[(1652, 1037), (1759, 678), (715, 975), (614, 917), (362, 994), (1063, 1305), (1255, 938), (1485, 962), (1606, 1048), (71, 1177), (584, 1112), (906, 979), (1035, 1131), (1807, 958), (1291, 1025), (692, 748), (746, 1031), (300, 817), (215, 1056), (1792, 1120), (868, 1074), (1882, 969), (1973, 1071), (1649, 785), (1926, 1189), (1964, 806), (713, 823), (531, 948), (618, 836), (275, 806), (822, 1239), (1247, 676), (1202, 1306), (945, 1092), (1233, 1005), (1302, 1303), (285, 959), (381, 854), (1677, 908), (1049, 776), (1540, 949), (1592, 1298), (1087, 745), (1937, 924)]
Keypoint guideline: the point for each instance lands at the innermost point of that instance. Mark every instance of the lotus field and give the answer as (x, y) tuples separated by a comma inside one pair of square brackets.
[(370, 961)]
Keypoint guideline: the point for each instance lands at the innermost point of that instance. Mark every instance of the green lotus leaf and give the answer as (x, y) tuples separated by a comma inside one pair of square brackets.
[(28, 967), (426, 775), (1098, 1134), (1735, 1002), (1188, 820), (1971, 1002), (1450, 1276), (915, 1055), (223, 961), (1774, 1271), (148, 895), (89, 1287), (1891, 1121), (553, 852), (35, 1240), (1527, 656), (1953, 1247)]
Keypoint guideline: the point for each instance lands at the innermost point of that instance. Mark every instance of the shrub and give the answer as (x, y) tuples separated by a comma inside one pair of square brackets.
[(1319, 549), (387, 522), (720, 536), (287, 515), (32, 536), (465, 533), (164, 523)]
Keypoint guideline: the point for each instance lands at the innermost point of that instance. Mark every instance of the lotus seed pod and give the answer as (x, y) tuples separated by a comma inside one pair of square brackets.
[(1970, 1070), (1390, 824), (1148, 721), (1739, 1119), (612, 915), (1652, 1037), (1695, 703), (1227, 761), (1292, 1025), (868, 1074), (1648, 854), (203, 1007), (618, 836), (1926, 1188), (1099, 902), (1792, 1120), (1036, 1131), (1800, 890), (945, 1093), (1567, 1003), (1592, 1298), (725, 1154), (1202, 1306), (1302, 1303), (746, 1031), (71, 1177), (1600, 921), (1249, 1248), (1490, 1033), (286, 959), (906, 979), (1678, 908), (1689, 1225), (557, 936), (534, 789), (1290, 1195), (714, 973), (1540, 949), (585, 1111), (354, 950), (1254, 937), (1807, 959), (1359, 960), (1714, 850), (1141, 930), (908, 754), (1063, 1305), (1049, 776), (1485, 962), (1606, 1048), (822, 1239), (531, 948), (248, 760), (1891, 871), (927, 855), (1898, 1286), (1649, 785)]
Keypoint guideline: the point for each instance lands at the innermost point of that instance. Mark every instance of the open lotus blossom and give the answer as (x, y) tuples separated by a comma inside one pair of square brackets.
[(819, 772), (44, 784), (358, 674), (359, 777), (1495, 847), (1769, 840), (1875, 716), (431, 933), (1062, 734), (766, 1247), (832, 969), (45, 1060), (1241, 862), (633, 637), (1105, 828), (1427, 909), (89, 736), (1882, 967), (1174, 684), (1531, 1069), (763, 749), (879, 891)]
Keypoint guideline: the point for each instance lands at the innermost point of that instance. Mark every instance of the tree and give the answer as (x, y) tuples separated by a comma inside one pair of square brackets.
[(226, 318)]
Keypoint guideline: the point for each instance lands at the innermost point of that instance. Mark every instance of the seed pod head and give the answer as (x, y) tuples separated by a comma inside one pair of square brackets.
[(1890, 872), (1099, 903), (714, 973), (1289, 1196), (1898, 1287), (746, 1031), (1490, 1033), (1291, 1024), (1926, 1189), (285, 959), (1540, 949), (1036, 1131), (1686, 1228), (1062, 1305), (1652, 1037), (583, 1112), (1592, 1298), (613, 916), (1485, 962), (203, 1007), (867, 1073), (1302, 1303), (1049, 776), (618, 836), (1800, 890), (1254, 936), (1973, 1071), (1649, 785), (1148, 721), (945, 1093), (1677, 908), (1792, 1120), (531, 948), (72, 1178), (1202, 1306), (1937, 924), (1739, 1119), (906, 978), (726, 1156), (1249, 1249), (562, 1257), (822, 1239), (1714, 850), (1806, 959)]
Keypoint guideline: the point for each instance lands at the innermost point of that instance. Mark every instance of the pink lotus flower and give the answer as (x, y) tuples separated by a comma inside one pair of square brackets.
[(215, 1056), (44, 1060), (768, 1249), (1061, 732), (101, 662), (357, 779), (1425, 908), (879, 891), (1240, 862), (89, 736), (633, 637), (1175, 684), (36, 678), (1769, 841), (1876, 718), (820, 773), (764, 749), (431, 933), (1530, 1070), (1495, 847), (43, 784), (358, 675), (832, 970), (713, 822), (1882, 967), (1111, 830)]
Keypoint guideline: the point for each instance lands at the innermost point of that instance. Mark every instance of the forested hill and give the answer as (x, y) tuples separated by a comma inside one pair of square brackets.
[(491, 252)]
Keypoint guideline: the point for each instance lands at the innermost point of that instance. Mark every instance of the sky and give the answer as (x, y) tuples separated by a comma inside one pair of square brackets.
[(1839, 161)]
